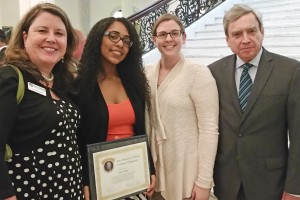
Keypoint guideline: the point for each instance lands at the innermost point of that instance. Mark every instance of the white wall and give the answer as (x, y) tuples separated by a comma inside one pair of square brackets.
[(72, 10), (1, 12), (9, 12), (102, 9), (83, 14), (78, 12)]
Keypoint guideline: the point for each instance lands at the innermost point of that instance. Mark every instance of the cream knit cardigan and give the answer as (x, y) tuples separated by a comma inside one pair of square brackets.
[(183, 128)]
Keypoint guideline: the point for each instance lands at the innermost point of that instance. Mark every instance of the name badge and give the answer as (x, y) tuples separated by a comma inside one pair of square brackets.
[(37, 89)]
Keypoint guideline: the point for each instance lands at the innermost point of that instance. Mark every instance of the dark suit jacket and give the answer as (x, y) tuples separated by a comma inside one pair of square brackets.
[(253, 147)]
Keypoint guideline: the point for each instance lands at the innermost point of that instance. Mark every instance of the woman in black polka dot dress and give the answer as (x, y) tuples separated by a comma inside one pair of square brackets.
[(51, 169), (41, 129)]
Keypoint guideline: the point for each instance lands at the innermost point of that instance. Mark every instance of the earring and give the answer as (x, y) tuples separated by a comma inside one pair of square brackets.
[(62, 60)]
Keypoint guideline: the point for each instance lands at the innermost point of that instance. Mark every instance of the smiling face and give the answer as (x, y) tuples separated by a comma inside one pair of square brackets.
[(46, 41), (114, 52), (169, 47), (245, 37)]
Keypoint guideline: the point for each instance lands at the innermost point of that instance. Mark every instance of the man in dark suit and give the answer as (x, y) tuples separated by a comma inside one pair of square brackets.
[(254, 160)]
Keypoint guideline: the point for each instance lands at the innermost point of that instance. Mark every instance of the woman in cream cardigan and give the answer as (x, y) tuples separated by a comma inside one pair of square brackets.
[(183, 119)]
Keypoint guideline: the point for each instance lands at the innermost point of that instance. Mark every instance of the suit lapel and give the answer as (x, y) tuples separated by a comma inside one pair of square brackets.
[(262, 75)]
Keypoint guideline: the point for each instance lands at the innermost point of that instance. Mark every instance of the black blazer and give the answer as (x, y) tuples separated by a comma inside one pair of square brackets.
[(94, 122), (253, 146)]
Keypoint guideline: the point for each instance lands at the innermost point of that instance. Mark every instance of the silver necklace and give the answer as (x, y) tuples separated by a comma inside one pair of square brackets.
[(51, 77)]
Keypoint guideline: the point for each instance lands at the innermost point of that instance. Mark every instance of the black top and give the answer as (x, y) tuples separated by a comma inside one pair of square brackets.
[(25, 125), (94, 122)]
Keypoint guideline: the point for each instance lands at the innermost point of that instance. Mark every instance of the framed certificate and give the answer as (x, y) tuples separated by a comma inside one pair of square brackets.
[(119, 168)]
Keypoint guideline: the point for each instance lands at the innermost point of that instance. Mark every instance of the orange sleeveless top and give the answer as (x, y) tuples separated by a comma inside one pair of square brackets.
[(121, 120)]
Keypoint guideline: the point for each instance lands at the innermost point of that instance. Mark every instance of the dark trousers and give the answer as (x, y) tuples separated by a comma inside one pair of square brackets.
[(241, 195)]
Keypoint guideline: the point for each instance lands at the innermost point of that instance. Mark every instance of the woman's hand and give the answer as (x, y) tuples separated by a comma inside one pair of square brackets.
[(199, 193), (86, 192), (11, 198), (151, 188), (287, 196)]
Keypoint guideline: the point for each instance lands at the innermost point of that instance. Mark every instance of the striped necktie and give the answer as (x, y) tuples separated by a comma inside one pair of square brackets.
[(245, 86)]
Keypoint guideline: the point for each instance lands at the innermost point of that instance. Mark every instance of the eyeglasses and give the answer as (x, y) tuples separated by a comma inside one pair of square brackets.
[(115, 37), (173, 34)]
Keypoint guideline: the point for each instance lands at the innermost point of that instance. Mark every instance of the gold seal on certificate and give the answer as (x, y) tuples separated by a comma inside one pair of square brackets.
[(119, 168)]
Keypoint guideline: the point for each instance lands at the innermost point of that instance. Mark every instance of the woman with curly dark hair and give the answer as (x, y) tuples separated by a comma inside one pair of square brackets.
[(111, 88)]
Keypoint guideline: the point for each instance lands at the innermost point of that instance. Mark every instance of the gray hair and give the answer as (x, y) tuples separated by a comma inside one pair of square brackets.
[(237, 11)]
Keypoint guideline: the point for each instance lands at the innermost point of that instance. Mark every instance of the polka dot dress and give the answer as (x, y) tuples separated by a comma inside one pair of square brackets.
[(53, 169)]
